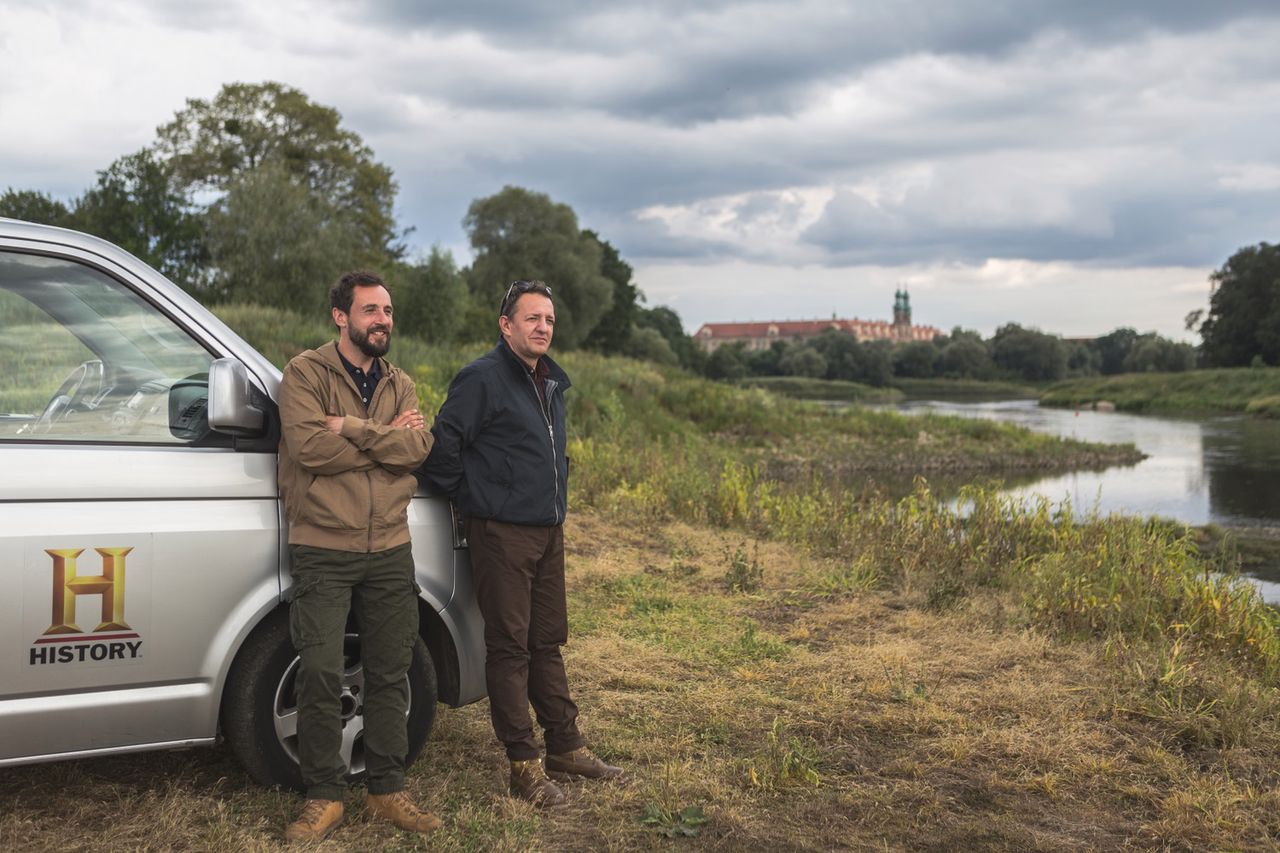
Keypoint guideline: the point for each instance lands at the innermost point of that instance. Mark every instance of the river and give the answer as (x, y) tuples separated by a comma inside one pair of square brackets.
[(1223, 469)]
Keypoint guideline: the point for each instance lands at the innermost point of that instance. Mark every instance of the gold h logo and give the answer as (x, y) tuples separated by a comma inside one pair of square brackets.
[(66, 586)]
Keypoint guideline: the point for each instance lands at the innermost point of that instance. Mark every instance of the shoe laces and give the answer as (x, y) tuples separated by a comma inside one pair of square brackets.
[(531, 769), (313, 811), (401, 801)]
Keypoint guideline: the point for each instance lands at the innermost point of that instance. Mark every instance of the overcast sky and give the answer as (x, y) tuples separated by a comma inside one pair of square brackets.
[(1074, 166)]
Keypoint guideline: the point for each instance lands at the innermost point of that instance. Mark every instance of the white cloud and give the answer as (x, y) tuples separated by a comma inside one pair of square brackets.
[(1249, 177)]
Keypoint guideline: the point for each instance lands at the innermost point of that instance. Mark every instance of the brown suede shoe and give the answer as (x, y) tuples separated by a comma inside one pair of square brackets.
[(318, 819), (529, 782), (581, 763), (401, 811)]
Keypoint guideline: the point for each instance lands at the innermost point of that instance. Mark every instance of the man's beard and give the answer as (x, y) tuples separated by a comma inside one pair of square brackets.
[(366, 346)]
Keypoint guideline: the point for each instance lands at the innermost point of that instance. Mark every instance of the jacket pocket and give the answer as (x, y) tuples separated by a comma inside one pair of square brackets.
[(340, 502), (392, 493)]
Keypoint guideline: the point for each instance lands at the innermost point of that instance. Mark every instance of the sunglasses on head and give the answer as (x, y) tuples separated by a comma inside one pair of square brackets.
[(519, 288)]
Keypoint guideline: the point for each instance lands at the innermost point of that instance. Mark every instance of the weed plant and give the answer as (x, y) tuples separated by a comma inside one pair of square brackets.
[(743, 573)]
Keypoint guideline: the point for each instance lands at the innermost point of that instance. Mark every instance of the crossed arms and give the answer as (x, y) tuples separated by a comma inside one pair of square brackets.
[(331, 444)]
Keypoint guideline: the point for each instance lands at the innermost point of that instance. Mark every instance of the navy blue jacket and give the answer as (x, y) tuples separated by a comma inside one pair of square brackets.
[(499, 453)]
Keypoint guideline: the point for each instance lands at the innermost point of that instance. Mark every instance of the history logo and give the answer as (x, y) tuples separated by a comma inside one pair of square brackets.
[(64, 641)]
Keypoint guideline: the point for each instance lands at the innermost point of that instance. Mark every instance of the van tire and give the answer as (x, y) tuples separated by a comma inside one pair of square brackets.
[(259, 694)]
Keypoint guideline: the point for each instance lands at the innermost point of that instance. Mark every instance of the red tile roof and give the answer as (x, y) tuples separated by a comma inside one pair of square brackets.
[(804, 329)]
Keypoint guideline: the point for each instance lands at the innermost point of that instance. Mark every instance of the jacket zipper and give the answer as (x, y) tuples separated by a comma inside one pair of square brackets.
[(369, 479), (368, 476), (544, 410)]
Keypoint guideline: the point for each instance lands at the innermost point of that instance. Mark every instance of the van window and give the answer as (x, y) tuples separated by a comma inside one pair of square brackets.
[(86, 359)]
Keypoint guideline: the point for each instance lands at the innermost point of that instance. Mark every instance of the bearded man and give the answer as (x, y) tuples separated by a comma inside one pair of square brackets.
[(351, 437)]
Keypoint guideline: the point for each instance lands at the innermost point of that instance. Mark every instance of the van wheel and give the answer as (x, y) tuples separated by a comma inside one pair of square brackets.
[(260, 705)]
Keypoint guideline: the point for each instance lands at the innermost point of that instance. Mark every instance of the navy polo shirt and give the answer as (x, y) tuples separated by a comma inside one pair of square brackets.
[(366, 381)]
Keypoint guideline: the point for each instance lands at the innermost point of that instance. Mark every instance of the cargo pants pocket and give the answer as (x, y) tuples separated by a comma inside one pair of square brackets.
[(306, 623)]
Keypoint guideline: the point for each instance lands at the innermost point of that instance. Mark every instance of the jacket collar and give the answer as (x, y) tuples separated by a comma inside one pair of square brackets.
[(327, 354), (555, 372)]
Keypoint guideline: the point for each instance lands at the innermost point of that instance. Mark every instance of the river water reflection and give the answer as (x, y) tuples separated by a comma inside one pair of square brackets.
[(1198, 470)]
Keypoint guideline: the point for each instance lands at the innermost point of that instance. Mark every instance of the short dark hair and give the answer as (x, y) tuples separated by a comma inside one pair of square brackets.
[(341, 294), (517, 289)]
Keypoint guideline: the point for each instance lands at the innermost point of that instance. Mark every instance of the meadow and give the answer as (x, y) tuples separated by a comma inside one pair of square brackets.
[(787, 659)]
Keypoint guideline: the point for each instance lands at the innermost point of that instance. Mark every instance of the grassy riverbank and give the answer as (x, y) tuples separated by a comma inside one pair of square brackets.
[(1246, 389), (964, 389), (838, 390), (804, 388)]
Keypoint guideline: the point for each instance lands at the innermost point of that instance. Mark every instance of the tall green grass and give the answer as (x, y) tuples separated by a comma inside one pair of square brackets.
[(961, 389), (804, 388), (1242, 389)]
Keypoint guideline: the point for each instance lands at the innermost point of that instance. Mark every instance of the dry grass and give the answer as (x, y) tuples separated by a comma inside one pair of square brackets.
[(796, 715)]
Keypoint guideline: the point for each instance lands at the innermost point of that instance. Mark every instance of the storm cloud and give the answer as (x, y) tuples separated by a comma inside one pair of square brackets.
[(862, 138)]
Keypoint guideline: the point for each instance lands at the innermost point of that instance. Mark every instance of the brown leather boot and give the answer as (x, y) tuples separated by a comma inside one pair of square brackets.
[(581, 763), (401, 811), (529, 782), (318, 819)]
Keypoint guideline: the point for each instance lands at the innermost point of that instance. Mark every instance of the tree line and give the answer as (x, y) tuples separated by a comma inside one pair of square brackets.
[(1012, 353), (258, 193)]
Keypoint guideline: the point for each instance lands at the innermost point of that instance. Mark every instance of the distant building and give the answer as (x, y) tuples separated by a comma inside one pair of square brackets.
[(759, 336)]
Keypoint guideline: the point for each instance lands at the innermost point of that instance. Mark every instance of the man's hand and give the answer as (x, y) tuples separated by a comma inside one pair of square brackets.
[(334, 423), (410, 419)]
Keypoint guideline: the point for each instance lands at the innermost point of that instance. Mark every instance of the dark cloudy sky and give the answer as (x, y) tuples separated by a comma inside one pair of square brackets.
[(1069, 165)]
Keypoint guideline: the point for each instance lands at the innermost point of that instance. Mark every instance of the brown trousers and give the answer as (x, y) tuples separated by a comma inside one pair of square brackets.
[(519, 576)]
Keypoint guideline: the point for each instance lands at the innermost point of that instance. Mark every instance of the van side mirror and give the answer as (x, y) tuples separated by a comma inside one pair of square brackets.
[(231, 400)]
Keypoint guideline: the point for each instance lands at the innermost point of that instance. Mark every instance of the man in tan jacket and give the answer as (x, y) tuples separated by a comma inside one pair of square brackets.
[(351, 437)]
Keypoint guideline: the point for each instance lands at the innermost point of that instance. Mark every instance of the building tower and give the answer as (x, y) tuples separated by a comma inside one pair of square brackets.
[(901, 315)]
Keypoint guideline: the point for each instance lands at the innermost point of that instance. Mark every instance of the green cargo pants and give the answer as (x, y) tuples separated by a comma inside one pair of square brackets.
[(379, 588)]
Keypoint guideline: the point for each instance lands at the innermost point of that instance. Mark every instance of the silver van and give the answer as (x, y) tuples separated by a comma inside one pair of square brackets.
[(143, 574)]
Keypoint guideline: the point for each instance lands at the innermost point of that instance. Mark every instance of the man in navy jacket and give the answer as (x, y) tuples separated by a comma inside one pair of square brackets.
[(499, 453)]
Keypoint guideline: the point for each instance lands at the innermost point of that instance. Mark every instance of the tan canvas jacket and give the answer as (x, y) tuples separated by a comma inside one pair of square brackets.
[(348, 492)]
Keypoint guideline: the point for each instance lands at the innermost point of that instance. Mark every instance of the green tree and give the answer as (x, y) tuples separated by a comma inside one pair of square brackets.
[(966, 357), (803, 360), (1155, 354), (917, 359), (214, 145), (431, 297), (33, 206), (870, 363), (613, 329), (1113, 348), (1244, 310), (727, 362), (667, 323), (1083, 359), (648, 344), (275, 242), (765, 362), (518, 234), (1029, 354), (136, 205)]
